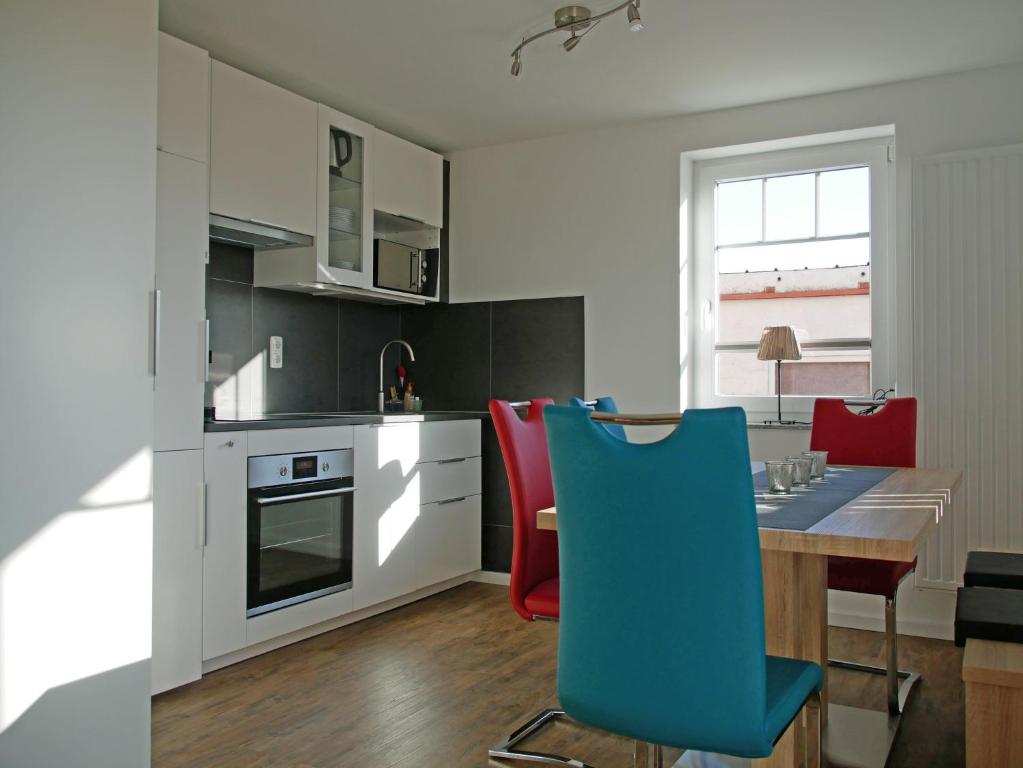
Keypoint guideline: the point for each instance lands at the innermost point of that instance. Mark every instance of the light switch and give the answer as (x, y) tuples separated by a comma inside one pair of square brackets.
[(276, 351)]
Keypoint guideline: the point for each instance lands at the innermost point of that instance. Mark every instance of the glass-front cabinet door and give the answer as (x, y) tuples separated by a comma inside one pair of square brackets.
[(344, 219)]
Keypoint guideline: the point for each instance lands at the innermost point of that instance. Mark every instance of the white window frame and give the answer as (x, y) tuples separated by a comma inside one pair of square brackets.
[(875, 153)]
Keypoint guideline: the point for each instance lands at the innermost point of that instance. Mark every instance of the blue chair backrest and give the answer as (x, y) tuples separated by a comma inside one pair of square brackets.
[(662, 616), (604, 405)]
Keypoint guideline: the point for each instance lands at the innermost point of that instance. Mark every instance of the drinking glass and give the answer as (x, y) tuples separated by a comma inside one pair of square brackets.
[(801, 470), (779, 476)]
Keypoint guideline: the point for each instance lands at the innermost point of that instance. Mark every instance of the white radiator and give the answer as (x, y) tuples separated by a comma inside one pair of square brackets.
[(968, 347)]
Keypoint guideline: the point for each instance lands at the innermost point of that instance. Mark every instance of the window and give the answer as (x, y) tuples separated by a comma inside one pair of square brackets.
[(790, 238)]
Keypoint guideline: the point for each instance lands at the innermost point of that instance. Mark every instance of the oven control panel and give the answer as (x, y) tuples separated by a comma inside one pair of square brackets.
[(289, 468)]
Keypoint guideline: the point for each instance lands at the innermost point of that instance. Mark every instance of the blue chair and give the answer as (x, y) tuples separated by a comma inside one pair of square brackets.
[(662, 611), (602, 405)]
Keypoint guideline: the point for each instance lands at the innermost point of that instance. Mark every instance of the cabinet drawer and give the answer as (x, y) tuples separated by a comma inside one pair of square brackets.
[(441, 480), (447, 540), (267, 442), (440, 440)]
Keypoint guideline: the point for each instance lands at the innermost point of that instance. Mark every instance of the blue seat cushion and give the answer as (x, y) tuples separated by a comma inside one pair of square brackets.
[(789, 683)]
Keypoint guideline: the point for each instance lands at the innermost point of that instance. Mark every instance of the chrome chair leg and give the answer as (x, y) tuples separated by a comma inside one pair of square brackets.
[(506, 749), (897, 692)]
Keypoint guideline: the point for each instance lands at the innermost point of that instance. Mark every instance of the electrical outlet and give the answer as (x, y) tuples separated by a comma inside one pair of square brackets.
[(276, 351)]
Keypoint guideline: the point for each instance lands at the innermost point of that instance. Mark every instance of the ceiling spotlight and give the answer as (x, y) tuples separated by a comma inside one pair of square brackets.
[(578, 21), (635, 23)]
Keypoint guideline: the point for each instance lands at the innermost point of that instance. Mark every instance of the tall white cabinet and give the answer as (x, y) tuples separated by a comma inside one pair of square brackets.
[(182, 210)]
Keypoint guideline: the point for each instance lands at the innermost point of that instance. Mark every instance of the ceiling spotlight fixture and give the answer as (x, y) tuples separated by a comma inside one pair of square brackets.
[(578, 21), (635, 23)]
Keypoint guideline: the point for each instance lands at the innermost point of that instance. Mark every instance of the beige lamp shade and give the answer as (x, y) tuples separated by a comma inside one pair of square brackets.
[(779, 342)]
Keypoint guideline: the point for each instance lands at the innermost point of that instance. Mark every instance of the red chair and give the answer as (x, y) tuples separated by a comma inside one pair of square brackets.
[(534, 567), (885, 438)]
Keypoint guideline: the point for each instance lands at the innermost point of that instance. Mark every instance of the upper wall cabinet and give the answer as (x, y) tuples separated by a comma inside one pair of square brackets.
[(262, 152), (409, 180), (183, 124), (344, 216)]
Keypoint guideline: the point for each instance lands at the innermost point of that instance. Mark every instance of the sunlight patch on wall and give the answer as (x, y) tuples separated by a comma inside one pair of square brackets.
[(91, 569)]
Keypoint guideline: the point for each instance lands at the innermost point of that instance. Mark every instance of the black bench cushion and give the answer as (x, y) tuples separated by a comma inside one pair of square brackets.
[(994, 569), (986, 613)]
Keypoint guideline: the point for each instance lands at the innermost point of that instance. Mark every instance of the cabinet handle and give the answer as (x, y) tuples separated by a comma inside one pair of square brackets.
[(156, 336), (452, 501), (453, 461), (202, 516), (229, 444), (207, 353)]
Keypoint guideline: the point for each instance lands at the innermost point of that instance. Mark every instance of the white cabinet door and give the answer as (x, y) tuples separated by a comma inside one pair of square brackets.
[(262, 152), (408, 180), (225, 461), (181, 243), (178, 530), (387, 507), (447, 540), (183, 122)]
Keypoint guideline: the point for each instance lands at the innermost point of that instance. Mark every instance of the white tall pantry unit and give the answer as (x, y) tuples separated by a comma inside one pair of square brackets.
[(182, 229)]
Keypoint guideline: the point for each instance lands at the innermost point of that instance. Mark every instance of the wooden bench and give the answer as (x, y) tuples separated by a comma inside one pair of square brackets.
[(993, 676)]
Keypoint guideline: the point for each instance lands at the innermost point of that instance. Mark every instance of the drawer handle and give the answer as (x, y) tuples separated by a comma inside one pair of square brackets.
[(453, 461), (452, 501)]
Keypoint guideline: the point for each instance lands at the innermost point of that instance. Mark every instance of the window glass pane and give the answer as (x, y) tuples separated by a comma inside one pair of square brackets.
[(790, 207), (739, 211), (844, 202), (814, 254), (819, 304), (839, 374)]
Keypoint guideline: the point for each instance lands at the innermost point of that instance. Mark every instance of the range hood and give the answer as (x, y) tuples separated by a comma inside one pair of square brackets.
[(260, 235)]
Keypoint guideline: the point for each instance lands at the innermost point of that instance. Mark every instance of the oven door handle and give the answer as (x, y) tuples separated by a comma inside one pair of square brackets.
[(268, 500)]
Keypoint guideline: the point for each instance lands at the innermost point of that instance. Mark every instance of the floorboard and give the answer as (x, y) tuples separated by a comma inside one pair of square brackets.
[(435, 683)]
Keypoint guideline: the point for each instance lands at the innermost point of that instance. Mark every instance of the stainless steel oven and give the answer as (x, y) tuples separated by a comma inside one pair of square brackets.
[(299, 528)]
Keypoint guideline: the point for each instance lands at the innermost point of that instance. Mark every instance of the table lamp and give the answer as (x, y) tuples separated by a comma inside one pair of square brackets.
[(779, 342)]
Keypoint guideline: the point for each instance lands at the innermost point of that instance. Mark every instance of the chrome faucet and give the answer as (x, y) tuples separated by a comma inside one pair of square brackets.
[(411, 356)]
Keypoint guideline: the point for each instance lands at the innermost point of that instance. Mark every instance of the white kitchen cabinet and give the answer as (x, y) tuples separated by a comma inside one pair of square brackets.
[(178, 530), (183, 117), (225, 462), (447, 539), (387, 505), (408, 180), (181, 245), (262, 152), (343, 253)]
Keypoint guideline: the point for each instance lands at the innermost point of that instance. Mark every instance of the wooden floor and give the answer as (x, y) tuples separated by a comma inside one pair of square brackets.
[(434, 684)]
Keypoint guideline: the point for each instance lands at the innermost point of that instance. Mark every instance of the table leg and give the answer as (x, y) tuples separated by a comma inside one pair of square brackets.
[(796, 616)]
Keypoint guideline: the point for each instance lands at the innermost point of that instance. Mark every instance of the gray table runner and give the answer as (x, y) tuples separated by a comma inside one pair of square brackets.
[(805, 507)]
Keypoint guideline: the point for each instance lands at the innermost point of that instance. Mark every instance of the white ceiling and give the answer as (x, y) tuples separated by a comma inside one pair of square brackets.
[(437, 71)]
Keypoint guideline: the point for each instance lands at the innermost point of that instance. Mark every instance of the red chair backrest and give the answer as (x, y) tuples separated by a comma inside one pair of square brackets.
[(885, 438), (524, 447)]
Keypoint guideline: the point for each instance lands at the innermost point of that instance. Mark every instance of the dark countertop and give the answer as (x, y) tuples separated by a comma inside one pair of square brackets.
[(303, 420)]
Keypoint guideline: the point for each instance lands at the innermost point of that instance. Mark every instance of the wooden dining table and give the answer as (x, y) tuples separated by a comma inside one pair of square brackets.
[(889, 521)]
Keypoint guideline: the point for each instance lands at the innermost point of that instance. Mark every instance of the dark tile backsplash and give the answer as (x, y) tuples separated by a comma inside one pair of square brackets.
[(452, 346), (537, 349), (308, 380), (465, 355), (365, 328), (331, 346)]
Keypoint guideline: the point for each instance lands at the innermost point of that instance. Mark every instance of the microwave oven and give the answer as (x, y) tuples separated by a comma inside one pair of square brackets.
[(398, 267)]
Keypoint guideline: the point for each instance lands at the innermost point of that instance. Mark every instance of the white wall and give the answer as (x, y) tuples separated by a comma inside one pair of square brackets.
[(598, 214), (77, 199)]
